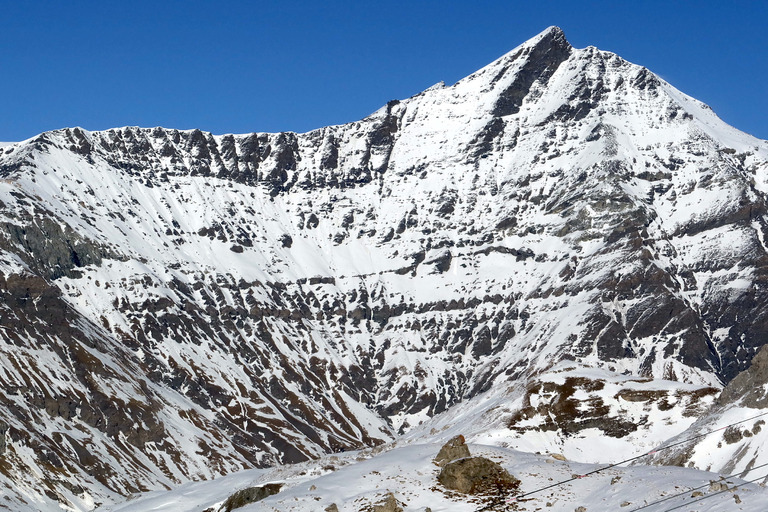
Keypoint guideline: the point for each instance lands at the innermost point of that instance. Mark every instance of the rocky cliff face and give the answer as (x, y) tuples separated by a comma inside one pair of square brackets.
[(172, 297)]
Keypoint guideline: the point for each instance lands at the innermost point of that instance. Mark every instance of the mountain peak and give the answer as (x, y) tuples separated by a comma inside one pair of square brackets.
[(551, 40), (553, 34), (539, 58)]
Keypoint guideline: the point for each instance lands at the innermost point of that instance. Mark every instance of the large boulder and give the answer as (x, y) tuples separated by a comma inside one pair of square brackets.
[(477, 475), (390, 504), (454, 449), (250, 495)]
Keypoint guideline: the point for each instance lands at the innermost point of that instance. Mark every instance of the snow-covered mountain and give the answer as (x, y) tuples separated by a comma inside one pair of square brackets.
[(178, 305)]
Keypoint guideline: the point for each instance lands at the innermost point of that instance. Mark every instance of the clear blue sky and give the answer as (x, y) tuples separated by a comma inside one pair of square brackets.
[(237, 66)]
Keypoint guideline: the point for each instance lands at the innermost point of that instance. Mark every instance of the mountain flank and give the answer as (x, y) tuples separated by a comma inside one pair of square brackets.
[(179, 305)]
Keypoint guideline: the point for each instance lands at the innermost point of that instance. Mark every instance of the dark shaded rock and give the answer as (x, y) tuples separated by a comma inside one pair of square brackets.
[(585, 98), (3, 431), (330, 155), (559, 410), (748, 387), (542, 61), (249, 495), (80, 144), (483, 142), (506, 223), (645, 80), (390, 504), (446, 204), (456, 448), (477, 475), (50, 249), (443, 262), (382, 133)]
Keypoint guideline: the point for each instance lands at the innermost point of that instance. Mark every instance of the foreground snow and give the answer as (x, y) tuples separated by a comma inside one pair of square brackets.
[(356, 480)]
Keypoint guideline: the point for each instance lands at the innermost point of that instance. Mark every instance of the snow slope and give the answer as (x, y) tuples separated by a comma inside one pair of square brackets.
[(359, 480)]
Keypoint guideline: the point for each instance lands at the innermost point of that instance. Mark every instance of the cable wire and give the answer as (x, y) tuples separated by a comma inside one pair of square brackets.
[(673, 496), (718, 492), (654, 451)]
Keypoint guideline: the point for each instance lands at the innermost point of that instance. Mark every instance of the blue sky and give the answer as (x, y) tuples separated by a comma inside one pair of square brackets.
[(237, 66)]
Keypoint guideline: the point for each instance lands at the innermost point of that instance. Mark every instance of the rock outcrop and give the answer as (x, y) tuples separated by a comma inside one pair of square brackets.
[(750, 387), (390, 504), (455, 448), (3, 432), (736, 421), (250, 495), (477, 475)]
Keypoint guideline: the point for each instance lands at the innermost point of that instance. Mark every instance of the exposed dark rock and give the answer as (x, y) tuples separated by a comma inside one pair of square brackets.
[(477, 475), (390, 504), (80, 144), (749, 386), (3, 432), (50, 249), (249, 495), (559, 410), (443, 262), (483, 142), (455, 448), (312, 221), (541, 62)]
